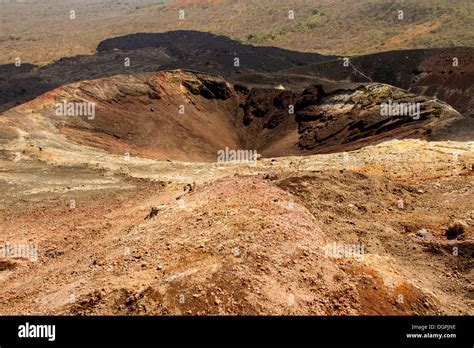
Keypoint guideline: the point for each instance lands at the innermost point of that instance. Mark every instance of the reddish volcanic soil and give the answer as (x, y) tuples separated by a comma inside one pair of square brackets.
[(167, 230), (250, 244)]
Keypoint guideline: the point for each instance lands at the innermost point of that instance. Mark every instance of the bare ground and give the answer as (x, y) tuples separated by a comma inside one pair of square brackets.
[(241, 239)]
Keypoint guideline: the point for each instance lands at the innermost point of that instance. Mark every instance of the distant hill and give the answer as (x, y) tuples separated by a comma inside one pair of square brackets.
[(330, 27)]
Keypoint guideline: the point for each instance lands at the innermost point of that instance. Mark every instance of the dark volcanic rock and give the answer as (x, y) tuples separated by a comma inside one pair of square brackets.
[(423, 71), (204, 49), (310, 96), (149, 52)]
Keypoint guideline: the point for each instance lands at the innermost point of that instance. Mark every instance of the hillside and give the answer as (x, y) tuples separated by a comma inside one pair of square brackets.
[(147, 237), (326, 26)]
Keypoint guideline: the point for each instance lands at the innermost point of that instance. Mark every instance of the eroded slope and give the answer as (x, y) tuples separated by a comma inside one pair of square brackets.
[(182, 115), (219, 239)]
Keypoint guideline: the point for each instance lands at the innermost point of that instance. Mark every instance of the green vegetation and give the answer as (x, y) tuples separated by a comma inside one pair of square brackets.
[(324, 26), (371, 26), (306, 24), (147, 7)]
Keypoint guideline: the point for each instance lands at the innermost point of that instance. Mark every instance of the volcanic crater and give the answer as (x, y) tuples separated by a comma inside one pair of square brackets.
[(133, 214)]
